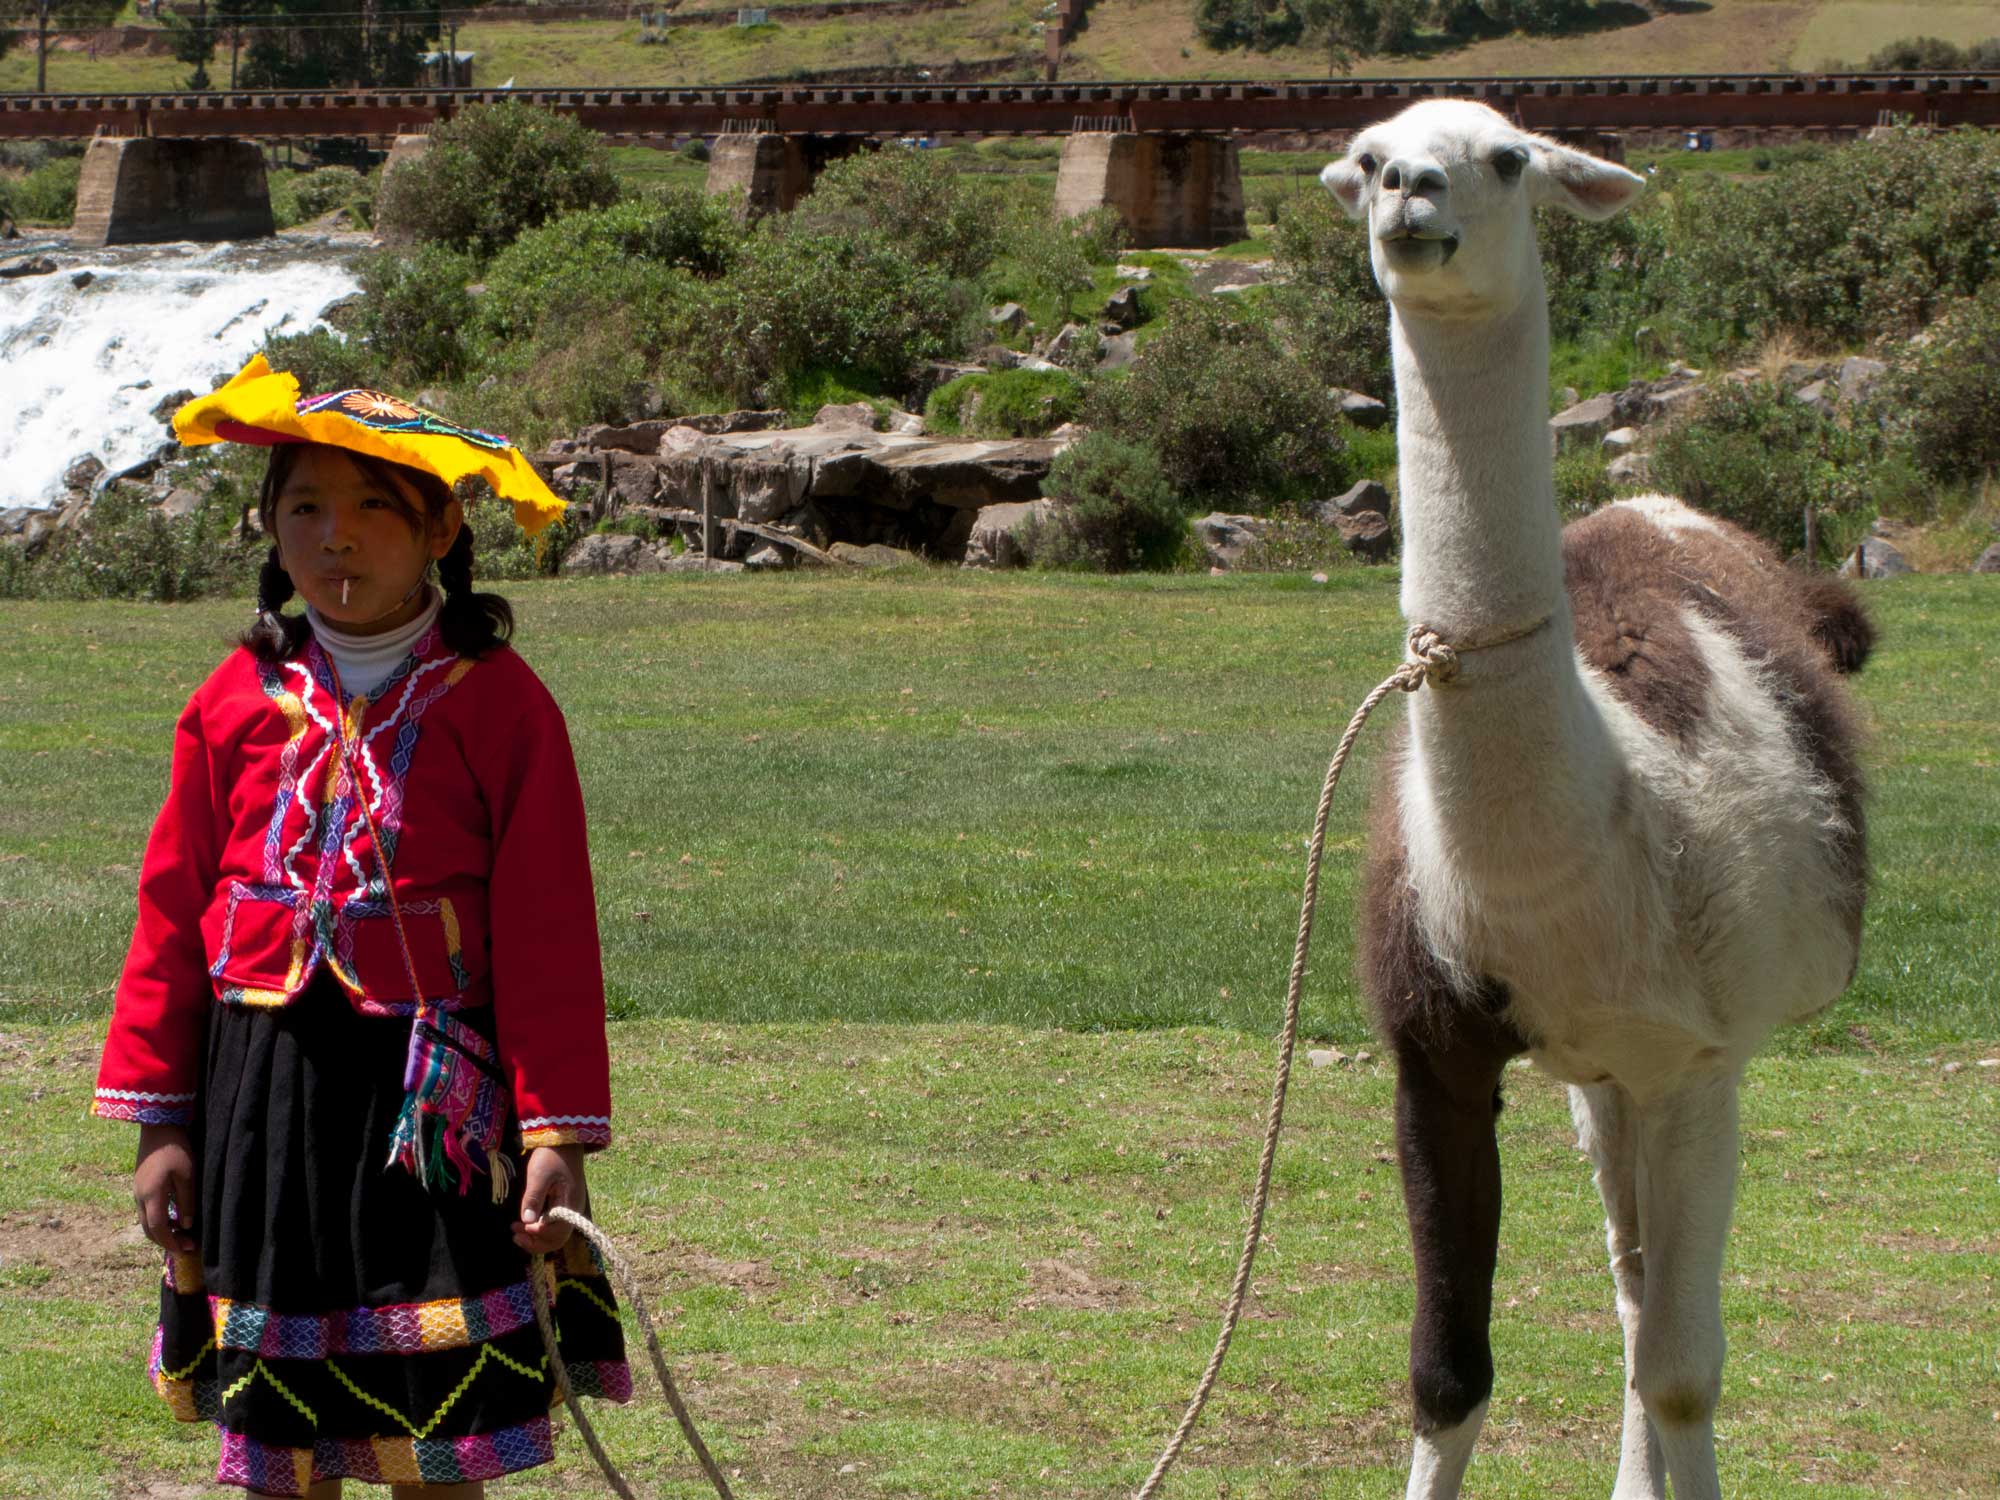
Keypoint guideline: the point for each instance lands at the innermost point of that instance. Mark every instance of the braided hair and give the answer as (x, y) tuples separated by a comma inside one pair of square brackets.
[(470, 623)]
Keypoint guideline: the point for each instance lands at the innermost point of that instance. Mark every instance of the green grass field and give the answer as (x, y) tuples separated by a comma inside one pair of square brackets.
[(946, 919)]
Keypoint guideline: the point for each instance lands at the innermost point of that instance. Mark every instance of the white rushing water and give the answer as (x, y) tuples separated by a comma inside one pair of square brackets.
[(82, 367)]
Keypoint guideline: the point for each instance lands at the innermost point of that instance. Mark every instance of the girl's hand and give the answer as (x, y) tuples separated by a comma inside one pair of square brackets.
[(554, 1179), (163, 1177)]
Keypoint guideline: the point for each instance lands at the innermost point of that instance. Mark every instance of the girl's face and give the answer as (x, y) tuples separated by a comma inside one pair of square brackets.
[(356, 548)]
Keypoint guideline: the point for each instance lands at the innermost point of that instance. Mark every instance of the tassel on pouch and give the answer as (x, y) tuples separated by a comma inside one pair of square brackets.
[(454, 1115)]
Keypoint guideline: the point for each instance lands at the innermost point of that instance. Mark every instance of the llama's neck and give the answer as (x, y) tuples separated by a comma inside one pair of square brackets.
[(1512, 774)]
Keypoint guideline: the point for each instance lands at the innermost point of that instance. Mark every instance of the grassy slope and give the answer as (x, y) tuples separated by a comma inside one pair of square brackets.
[(1126, 39), (976, 1256)]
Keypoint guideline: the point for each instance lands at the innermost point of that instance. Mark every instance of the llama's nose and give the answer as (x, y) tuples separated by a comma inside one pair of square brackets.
[(1412, 175)]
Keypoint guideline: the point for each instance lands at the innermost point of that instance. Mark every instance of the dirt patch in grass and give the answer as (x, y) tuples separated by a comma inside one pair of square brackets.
[(87, 1252), (1057, 1283)]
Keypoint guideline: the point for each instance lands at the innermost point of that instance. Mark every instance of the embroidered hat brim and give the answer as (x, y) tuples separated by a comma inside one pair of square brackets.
[(263, 407)]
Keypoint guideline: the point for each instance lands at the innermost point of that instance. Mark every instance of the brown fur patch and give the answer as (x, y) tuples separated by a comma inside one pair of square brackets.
[(1628, 593)]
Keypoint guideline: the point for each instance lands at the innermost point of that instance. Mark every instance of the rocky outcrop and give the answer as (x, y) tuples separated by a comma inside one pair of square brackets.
[(998, 533)]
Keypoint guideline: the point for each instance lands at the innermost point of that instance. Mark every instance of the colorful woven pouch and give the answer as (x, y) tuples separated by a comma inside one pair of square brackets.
[(454, 1115)]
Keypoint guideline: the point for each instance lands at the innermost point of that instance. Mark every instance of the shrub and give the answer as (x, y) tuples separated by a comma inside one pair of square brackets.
[(415, 311), (1231, 413), (1009, 403), (493, 172), (1055, 260), (1754, 455), (302, 198), (1926, 54), (47, 194), (1117, 511), (324, 361), (912, 197), (502, 551), (1600, 276), (125, 549), (1946, 392), (1582, 484), (1328, 301), (570, 374)]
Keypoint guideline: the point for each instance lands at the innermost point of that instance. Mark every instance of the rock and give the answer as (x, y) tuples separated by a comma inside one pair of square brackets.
[(1231, 288), (634, 483), (1367, 535), (678, 437), (1068, 433), (38, 528), (166, 406), (14, 519), (8, 229), (1066, 344), (1875, 558), (858, 416), (906, 422), (933, 373), (1369, 495), (1858, 376), (1123, 308), (995, 541), (1226, 538), (1668, 398), (432, 398), (181, 502), (874, 555), (1619, 439), (1133, 273), (694, 562), (1325, 1057), (635, 437), (82, 279), (768, 558), (1989, 560), (604, 552), (83, 473), (1568, 395), (1117, 351), (1319, 578), (1629, 468), (1363, 411), (1819, 395), (1009, 315), (718, 423), (1585, 422), (33, 265)]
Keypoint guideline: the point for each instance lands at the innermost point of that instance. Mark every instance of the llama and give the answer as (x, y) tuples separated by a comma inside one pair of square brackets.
[(1625, 838)]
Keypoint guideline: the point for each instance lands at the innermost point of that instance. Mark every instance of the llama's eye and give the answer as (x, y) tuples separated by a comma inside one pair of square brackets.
[(1508, 163), (1367, 163)]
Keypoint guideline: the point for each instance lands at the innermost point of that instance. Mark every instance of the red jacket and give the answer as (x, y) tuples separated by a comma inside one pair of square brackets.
[(258, 873)]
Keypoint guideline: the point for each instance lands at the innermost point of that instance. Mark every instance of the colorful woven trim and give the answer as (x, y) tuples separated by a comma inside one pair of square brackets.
[(192, 1394), (142, 1108), (455, 1113), (565, 1130), (289, 1471), (263, 407), (401, 1328)]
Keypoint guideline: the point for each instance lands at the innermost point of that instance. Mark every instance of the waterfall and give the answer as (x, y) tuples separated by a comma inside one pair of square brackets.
[(83, 365)]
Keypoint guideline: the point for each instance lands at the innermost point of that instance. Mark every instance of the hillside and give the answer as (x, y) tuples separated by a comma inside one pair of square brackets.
[(1122, 39)]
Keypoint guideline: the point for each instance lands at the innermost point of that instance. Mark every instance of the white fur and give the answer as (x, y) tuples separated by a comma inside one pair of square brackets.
[(1437, 1465), (1654, 909)]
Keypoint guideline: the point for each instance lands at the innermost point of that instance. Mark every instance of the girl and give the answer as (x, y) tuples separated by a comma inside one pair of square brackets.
[(361, 1025)]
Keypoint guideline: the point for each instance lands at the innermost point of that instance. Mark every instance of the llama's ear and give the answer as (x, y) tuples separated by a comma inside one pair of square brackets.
[(1585, 185), (1346, 182)]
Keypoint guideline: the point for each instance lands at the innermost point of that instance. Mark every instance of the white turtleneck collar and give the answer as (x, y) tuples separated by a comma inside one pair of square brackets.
[(365, 661)]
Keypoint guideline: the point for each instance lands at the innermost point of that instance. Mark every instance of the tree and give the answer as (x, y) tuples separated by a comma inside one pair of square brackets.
[(334, 44), (52, 15)]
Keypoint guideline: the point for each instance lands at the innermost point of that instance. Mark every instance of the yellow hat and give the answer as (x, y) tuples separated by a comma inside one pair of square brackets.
[(262, 407)]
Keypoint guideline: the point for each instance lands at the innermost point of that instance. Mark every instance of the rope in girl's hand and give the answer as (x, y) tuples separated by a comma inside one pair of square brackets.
[(628, 1288)]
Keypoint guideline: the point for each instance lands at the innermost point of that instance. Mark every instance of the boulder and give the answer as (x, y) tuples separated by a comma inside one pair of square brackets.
[(1858, 376), (1123, 308), (166, 406), (180, 502), (82, 279), (1070, 340), (1988, 561), (1367, 535), (33, 265), (678, 437), (634, 482), (83, 473), (1369, 495), (1585, 422), (9, 230), (873, 555), (1133, 273), (1226, 538), (1117, 351), (1620, 439), (1820, 395), (1875, 558), (1669, 398), (1009, 315), (1363, 411), (768, 558), (604, 552), (1629, 468), (905, 422), (933, 373), (635, 437), (856, 416), (14, 519), (995, 541)]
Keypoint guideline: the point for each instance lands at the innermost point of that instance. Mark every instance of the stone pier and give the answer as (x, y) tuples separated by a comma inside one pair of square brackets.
[(1182, 190), (773, 171), (140, 191)]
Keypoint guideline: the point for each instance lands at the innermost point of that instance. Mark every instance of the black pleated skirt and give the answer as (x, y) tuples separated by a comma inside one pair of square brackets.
[(341, 1320)]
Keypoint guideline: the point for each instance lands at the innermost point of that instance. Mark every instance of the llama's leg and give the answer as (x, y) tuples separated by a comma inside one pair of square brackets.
[(1687, 1184), (1608, 1129), (1445, 1107)]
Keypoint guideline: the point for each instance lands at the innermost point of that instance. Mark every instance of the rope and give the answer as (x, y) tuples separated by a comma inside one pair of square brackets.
[(1432, 660), (628, 1288)]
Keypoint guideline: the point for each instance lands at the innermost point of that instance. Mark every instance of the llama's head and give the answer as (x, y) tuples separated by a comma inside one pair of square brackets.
[(1447, 188)]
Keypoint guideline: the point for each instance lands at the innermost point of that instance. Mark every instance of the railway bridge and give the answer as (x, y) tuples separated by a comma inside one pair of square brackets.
[(1163, 152)]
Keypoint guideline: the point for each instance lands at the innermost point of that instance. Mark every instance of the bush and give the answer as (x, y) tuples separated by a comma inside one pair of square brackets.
[(570, 374), (914, 198), (415, 311), (1055, 260), (1233, 416), (1927, 54), (1582, 483), (502, 551), (125, 549), (324, 361), (493, 172), (1754, 455), (1601, 276), (1010, 403), (1945, 395), (798, 297), (1117, 511), (300, 199), (1328, 301), (47, 194)]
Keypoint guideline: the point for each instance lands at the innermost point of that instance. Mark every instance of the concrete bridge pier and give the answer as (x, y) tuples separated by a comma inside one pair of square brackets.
[(1182, 190), (140, 191), (774, 171)]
